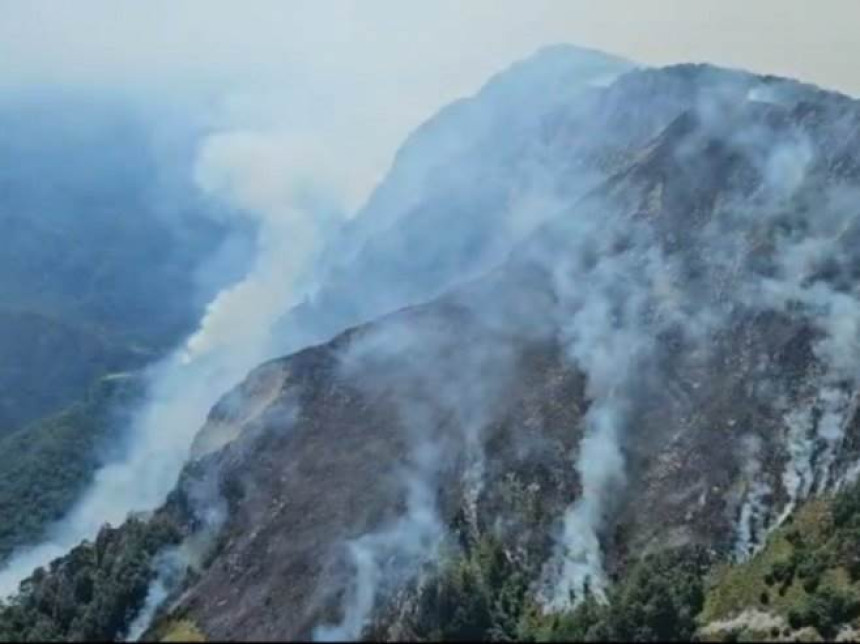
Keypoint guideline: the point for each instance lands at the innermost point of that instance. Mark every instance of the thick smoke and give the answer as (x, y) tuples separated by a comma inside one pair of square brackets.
[(444, 396), (285, 188), (804, 242), (617, 293), (295, 190), (797, 479), (815, 430), (621, 286), (752, 519), (609, 299), (381, 558), (170, 566)]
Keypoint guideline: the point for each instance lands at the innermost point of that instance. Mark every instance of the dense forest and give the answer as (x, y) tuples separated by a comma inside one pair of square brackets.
[(808, 575), (93, 592), (45, 467), (102, 273)]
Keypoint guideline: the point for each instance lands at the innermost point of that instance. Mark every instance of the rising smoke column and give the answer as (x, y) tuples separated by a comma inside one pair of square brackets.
[(379, 558), (285, 186), (818, 238), (292, 188), (614, 303), (444, 395), (617, 291), (606, 337)]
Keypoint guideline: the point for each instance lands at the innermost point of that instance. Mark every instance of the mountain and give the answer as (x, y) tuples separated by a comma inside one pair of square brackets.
[(103, 243), (462, 190), (45, 466), (105, 248), (634, 419)]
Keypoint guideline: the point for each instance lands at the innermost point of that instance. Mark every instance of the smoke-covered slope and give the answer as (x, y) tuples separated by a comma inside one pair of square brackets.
[(664, 363), (463, 188), (669, 361)]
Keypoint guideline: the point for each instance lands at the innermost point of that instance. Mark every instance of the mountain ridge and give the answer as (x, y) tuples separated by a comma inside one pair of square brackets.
[(654, 377), (785, 340)]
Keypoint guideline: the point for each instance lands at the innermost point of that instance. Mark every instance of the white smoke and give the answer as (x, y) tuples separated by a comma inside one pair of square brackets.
[(393, 553), (445, 395), (601, 469), (277, 183), (613, 303), (830, 433), (473, 482), (620, 301), (293, 189), (753, 519), (816, 434), (804, 240), (170, 567), (797, 479)]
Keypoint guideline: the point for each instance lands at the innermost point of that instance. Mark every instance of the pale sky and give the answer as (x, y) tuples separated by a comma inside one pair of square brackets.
[(447, 42), (377, 68)]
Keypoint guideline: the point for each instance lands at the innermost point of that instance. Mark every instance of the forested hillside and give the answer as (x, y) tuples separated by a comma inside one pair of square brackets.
[(102, 271)]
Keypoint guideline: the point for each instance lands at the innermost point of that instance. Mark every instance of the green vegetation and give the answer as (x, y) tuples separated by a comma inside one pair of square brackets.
[(484, 594), (175, 627), (93, 592), (47, 363), (658, 600), (478, 595), (805, 582), (183, 630), (808, 574), (44, 467)]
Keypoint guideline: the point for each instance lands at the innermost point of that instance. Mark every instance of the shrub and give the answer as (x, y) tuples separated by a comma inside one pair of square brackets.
[(91, 593)]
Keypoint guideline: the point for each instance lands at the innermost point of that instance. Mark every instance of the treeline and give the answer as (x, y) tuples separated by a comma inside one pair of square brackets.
[(657, 601), (46, 466), (485, 594), (817, 559), (93, 592)]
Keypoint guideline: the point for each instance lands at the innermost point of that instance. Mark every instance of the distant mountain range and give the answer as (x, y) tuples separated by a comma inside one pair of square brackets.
[(101, 272)]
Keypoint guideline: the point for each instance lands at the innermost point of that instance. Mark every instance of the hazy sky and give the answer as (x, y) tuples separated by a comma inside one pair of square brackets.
[(442, 43), (365, 72)]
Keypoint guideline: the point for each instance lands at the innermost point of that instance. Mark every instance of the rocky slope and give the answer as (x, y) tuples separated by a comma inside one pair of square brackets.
[(655, 377), (670, 361)]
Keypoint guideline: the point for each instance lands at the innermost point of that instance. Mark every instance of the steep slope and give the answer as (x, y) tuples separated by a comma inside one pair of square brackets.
[(803, 585), (666, 363), (463, 189), (44, 468), (104, 248), (651, 381)]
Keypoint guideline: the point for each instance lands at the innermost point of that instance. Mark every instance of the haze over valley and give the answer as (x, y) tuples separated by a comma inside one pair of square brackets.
[(387, 321)]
